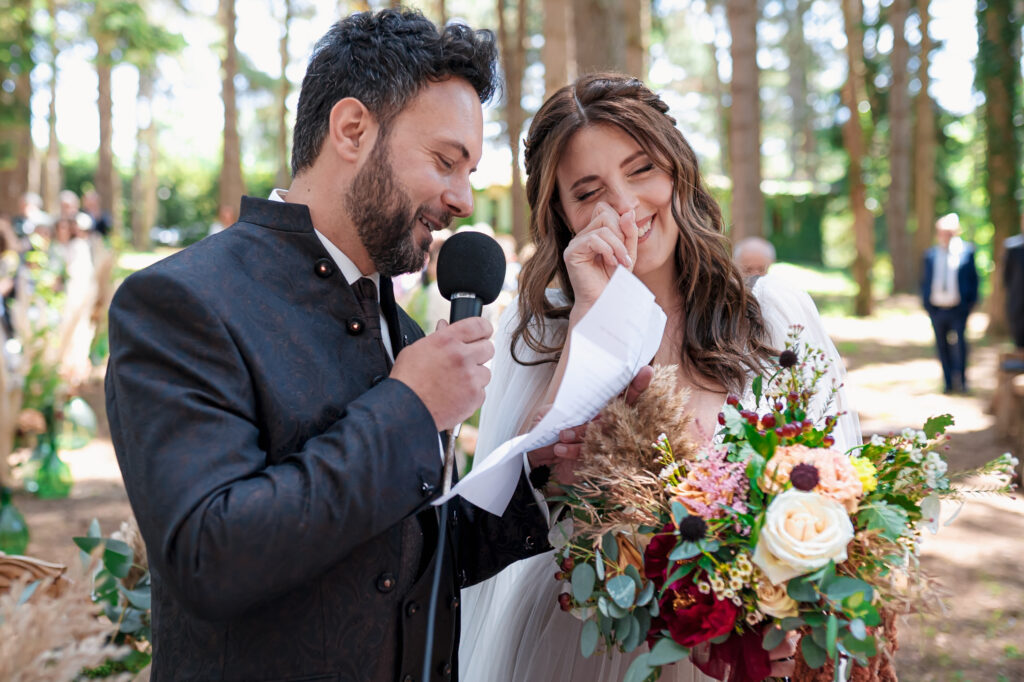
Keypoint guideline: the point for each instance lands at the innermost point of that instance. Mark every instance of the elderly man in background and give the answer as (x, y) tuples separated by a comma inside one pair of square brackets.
[(753, 256), (949, 289)]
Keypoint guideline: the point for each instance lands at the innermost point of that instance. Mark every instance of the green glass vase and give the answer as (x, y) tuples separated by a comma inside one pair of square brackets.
[(52, 479), (13, 529)]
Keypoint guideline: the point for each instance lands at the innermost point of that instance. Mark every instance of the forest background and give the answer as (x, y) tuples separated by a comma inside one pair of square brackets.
[(171, 108)]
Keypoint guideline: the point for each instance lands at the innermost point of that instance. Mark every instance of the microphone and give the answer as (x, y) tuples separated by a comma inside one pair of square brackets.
[(470, 272)]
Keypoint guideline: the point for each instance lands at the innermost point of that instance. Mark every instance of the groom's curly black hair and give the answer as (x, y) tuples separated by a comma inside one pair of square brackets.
[(383, 59)]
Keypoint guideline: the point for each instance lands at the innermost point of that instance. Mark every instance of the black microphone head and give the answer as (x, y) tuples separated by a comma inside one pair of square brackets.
[(472, 263)]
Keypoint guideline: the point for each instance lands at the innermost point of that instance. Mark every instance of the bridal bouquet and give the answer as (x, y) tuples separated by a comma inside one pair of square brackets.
[(717, 551)]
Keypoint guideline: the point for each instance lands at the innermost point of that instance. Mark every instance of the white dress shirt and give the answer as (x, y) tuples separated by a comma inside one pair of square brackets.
[(945, 285)]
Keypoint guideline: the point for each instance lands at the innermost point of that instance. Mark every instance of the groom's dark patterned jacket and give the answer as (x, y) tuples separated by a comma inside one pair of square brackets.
[(278, 478)]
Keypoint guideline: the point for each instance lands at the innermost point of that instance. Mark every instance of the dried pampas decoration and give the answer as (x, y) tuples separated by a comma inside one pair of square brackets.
[(51, 637), (616, 476)]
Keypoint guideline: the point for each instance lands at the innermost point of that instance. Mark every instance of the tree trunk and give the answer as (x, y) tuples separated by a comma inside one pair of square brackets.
[(999, 75), (601, 23), (853, 140), (231, 184), (51, 183), (15, 130), (718, 92), (558, 52), (745, 122), (924, 150), (637, 29), (513, 48), (105, 164), (144, 180), (802, 145), (900, 132), (442, 13), (284, 87)]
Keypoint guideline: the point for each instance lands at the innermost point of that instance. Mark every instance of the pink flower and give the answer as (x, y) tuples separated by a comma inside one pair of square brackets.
[(837, 477), (712, 481)]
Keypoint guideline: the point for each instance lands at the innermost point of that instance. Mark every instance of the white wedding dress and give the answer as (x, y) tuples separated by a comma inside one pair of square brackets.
[(512, 627)]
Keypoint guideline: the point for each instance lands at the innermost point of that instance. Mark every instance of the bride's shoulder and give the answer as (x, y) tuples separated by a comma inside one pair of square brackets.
[(510, 316), (784, 304)]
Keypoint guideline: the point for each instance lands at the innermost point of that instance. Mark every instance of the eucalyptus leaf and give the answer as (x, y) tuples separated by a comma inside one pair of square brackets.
[(643, 619), (888, 518), (667, 651), (792, 623), (94, 529), (639, 670), (582, 582), (622, 590), (773, 637), (588, 639), (831, 632), (858, 629), (117, 558), (844, 586), (610, 547), (87, 544), (801, 590), (645, 594), (633, 573), (139, 598), (599, 564), (609, 608), (684, 550), (27, 593), (813, 654), (678, 512), (635, 635), (623, 625)]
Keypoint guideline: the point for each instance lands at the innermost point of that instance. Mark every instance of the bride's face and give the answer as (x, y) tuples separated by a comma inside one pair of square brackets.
[(602, 163)]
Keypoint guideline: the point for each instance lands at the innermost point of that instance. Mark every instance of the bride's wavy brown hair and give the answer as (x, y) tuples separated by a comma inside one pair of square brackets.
[(725, 336)]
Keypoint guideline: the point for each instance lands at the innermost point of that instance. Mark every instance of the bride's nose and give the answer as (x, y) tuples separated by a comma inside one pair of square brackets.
[(623, 200)]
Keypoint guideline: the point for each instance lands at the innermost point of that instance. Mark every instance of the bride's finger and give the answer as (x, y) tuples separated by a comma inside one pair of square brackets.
[(630, 232), (601, 241)]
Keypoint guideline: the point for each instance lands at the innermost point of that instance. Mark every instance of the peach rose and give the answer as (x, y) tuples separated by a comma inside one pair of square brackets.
[(773, 600), (837, 477)]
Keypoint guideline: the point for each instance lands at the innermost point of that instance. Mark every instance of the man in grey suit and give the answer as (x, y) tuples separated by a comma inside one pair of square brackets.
[(276, 418)]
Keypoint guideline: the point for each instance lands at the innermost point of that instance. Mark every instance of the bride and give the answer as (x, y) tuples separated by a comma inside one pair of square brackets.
[(612, 181)]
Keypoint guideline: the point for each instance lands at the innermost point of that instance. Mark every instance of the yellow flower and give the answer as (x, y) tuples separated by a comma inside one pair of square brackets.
[(866, 472)]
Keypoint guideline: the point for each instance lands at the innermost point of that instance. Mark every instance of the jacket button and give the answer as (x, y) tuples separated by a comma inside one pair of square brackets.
[(528, 543), (355, 326), (455, 603), (412, 608), (385, 582), (427, 489), (379, 378), (323, 268), (445, 669)]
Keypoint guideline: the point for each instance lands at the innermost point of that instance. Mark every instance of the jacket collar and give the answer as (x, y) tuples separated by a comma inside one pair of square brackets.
[(276, 215)]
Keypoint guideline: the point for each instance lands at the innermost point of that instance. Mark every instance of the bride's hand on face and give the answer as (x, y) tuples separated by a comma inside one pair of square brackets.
[(608, 240)]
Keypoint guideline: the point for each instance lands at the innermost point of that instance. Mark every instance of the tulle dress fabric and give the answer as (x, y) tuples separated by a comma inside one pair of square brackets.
[(512, 627)]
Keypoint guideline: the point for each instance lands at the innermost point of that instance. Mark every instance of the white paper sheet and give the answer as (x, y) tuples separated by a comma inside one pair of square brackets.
[(618, 335)]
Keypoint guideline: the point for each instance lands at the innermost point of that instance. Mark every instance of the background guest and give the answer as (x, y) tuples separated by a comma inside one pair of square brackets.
[(753, 256), (949, 289)]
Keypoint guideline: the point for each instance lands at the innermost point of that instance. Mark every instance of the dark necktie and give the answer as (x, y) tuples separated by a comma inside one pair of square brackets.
[(366, 294)]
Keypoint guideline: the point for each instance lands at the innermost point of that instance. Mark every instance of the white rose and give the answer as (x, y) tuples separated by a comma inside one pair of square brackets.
[(802, 532), (773, 600)]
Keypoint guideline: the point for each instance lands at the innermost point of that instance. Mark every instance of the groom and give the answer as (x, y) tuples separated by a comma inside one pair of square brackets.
[(276, 415)]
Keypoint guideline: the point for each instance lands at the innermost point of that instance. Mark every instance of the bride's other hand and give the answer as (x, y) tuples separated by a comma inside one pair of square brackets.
[(562, 455), (608, 240), (782, 656)]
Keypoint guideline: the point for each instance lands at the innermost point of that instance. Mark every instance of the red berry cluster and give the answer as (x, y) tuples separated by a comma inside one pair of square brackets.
[(567, 565)]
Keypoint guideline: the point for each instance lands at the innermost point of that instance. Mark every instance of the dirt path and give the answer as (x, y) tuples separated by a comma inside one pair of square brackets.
[(894, 381)]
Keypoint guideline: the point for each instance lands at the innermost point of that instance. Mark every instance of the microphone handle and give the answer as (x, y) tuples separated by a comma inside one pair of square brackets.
[(465, 305)]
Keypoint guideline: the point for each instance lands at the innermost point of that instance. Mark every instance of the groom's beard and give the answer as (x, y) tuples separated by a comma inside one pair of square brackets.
[(382, 212)]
